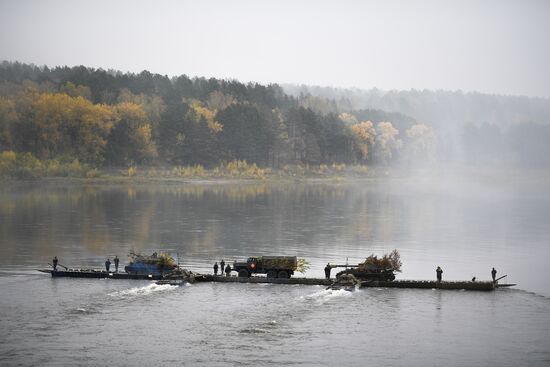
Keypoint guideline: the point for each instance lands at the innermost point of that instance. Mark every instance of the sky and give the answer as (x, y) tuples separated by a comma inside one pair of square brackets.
[(492, 46)]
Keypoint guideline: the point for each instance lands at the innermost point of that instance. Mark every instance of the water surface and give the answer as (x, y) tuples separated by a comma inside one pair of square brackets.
[(464, 226)]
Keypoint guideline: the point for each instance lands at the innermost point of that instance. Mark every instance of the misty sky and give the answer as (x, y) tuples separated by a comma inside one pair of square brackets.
[(490, 46)]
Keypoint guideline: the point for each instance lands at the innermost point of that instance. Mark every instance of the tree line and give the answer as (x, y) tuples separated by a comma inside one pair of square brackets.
[(109, 118), (106, 118)]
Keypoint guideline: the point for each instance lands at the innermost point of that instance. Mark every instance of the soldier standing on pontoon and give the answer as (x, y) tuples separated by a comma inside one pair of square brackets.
[(439, 272)]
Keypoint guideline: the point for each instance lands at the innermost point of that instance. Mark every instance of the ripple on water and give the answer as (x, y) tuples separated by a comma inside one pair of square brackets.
[(88, 310)]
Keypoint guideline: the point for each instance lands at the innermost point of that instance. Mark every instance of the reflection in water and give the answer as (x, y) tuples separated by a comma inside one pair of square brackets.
[(213, 324), (39, 221), (431, 224)]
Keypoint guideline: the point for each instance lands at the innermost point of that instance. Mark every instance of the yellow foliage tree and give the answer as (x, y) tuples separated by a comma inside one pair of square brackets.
[(365, 136), (202, 112), (152, 105), (348, 118), (387, 142), (131, 139), (76, 90), (70, 126)]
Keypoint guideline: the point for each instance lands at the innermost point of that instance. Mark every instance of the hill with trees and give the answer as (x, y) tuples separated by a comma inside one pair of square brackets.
[(54, 117)]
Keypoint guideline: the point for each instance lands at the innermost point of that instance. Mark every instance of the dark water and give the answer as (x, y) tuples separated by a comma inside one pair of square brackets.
[(464, 226)]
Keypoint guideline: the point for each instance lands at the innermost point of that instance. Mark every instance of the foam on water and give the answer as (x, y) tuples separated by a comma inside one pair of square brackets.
[(326, 295), (143, 291)]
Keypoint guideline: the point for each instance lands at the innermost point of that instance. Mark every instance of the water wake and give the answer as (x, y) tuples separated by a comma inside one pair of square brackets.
[(143, 291), (326, 295)]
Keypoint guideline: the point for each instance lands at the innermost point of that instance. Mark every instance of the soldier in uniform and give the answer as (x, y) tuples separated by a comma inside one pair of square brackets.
[(228, 270), (494, 274), (116, 260), (107, 265), (222, 266), (216, 268), (439, 272), (327, 271), (54, 261)]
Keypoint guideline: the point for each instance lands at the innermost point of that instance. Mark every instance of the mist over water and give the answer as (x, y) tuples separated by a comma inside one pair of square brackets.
[(462, 224), (324, 130), (466, 224)]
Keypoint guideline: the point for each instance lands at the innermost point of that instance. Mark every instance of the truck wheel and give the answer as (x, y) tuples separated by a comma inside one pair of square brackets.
[(283, 274), (272, 274), (243, 273)]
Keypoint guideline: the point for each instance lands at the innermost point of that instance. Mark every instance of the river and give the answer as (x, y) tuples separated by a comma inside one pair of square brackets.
[(466, 226)]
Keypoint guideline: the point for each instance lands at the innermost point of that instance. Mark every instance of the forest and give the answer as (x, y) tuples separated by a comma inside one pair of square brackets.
[(66, 118)]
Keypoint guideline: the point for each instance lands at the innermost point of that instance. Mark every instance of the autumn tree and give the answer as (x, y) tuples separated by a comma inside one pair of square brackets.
[(365, 135), (421, 143), (56, 125), (130, 140), (152, 105), (348, 118), (203, 114), (387, 143), (76, 90)]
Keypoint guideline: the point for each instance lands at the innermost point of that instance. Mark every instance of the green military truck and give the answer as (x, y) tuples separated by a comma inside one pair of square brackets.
[(273, 266)]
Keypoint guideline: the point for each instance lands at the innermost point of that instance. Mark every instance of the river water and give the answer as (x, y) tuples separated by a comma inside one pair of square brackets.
[(466, 226)]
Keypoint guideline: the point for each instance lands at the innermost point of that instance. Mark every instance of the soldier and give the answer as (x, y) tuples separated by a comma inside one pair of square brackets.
[(116, 260), (216, 268), (107, 265), (228, 270), (439, 272), (494, 274), (222, 266), (54, 261), (327, 271)]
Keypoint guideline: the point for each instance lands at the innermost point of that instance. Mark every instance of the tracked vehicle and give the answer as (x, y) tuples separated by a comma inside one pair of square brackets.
[(368, 273), (155, 264), (374, 268)]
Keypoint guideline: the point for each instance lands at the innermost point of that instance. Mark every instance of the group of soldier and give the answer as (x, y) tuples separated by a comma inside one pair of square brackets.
[(439, 273), (222, 267), (227, 269), (116, 260)]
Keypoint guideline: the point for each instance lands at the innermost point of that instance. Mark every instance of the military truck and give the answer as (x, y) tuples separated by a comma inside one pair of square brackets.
[(273, 266)]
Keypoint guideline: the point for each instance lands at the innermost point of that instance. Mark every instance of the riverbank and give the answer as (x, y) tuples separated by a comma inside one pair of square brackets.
[(25, 168), (22, 169)]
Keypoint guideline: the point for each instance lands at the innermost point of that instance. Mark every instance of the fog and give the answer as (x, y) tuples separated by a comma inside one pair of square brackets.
[(469, 129), (325, 130), (491, 46)]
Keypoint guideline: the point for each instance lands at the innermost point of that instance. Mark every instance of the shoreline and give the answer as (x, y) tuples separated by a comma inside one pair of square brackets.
[(116, 176)]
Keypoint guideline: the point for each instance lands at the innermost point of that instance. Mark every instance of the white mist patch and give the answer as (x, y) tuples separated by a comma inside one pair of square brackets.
[(143, 291), (325, 295)]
